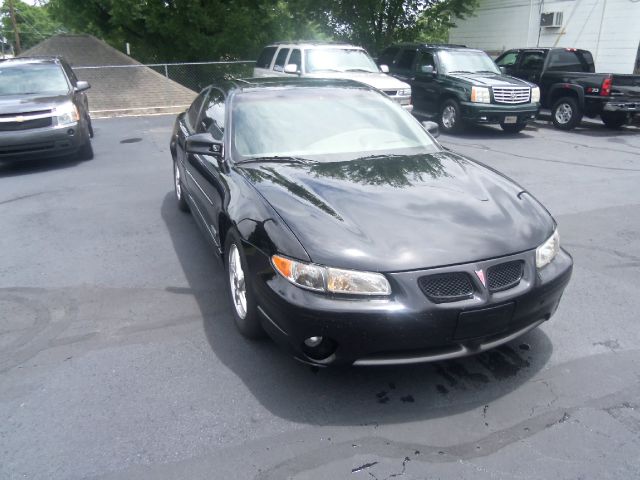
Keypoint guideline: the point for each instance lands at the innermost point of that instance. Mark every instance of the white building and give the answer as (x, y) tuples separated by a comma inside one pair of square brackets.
[(610, 29)]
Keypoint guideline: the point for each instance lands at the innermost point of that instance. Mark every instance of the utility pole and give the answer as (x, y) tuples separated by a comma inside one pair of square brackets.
[(16, 32)]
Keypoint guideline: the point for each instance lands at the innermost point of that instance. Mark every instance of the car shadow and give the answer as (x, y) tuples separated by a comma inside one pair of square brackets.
[(590, 127), (9, 168), (342, 396)]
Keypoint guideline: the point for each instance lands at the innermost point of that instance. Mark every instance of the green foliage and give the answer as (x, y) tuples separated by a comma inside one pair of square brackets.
[(35, 23), (184, 30)]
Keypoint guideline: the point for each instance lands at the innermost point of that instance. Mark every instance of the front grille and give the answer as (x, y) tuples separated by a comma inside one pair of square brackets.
[(446, 287), (391, 93), (505, 275), (25, 124), (511, 94)]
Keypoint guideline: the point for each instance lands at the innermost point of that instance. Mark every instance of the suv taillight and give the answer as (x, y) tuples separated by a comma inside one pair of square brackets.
[(605, 90)]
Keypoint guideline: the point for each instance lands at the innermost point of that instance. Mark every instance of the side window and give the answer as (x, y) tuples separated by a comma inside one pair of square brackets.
[(508, 59), (296, 58), (406, 59), (425, 59), (567, 61), (280, 59), (194, 110), (532, 61), (213, 117), (264, 60), (387, 56)]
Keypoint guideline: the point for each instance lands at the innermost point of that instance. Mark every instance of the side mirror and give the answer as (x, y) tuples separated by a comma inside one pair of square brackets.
[(384, 68), (432, 128), (291, 68), (503, 70), (427, 69), (82, 86), (204, 144)]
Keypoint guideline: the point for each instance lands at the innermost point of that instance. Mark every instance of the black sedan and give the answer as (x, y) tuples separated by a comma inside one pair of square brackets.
[(350, 235)]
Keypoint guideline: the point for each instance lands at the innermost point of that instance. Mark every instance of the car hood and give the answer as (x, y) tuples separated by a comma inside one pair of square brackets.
[(491, 79), (402, 213), (381, 81), (30, 103)]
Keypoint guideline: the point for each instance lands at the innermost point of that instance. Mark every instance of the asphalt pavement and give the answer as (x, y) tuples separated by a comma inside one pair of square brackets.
[(119, 357)]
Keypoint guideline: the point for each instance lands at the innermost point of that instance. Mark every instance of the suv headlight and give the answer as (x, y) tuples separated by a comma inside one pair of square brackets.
[(546, 252), (405, 92), (480, 95), (67, 114), (332, 280), (535, 94)]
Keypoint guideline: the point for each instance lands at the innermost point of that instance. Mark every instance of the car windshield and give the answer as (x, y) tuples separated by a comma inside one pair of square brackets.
[(324, 125), (339, 59), (32, 79), (467, 61)]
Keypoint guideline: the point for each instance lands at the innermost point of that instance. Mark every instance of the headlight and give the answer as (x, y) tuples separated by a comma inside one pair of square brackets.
[(333, 280), (405, 92), (480, 95), (535, 94), (546, 252), (67, 114)]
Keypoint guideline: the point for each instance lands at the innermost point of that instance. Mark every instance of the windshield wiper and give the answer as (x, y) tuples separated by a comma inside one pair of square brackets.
[(460, 71), (326, 70), (359, 70), (276, 159), (487, 71)]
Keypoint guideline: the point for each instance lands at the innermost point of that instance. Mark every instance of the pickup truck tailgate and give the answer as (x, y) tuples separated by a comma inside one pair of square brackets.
[(626, 86)]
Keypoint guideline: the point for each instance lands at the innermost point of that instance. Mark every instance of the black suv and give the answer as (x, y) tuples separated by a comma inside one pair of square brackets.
[(44, 110), (459, 85)]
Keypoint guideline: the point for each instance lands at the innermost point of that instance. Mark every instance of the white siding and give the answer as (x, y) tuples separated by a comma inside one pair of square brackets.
[(610, 29)]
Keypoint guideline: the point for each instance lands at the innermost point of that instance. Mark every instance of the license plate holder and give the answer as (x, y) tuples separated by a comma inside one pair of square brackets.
[(511, 119), (484, 322)]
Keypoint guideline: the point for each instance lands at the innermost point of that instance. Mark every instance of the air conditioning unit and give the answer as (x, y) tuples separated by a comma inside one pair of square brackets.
[(551, 19)]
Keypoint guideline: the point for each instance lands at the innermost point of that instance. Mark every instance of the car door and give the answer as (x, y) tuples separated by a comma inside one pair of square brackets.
[(207, 170), (529, 66), (403, 68), (508, 62), (187, 127), (425, 87), (280, 62)]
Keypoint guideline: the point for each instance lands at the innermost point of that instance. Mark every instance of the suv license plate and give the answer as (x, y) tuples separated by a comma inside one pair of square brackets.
[(511, 119)]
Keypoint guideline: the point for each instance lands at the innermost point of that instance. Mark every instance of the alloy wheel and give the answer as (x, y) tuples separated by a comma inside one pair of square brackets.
[(564, 112), (449, 116), (237, 281), (178, 182)]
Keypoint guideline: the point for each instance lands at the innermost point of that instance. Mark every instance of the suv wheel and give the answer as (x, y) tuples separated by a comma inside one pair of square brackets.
[(86, 151), (450, 118), (179, 188), (566, 113), (613, 119)]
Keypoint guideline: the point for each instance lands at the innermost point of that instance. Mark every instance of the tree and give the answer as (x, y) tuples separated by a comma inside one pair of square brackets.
[(184, 30), (35, 23), (375, 24)]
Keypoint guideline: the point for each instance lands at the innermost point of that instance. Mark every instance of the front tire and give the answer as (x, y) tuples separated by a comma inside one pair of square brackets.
[(513, 127), (613, 119), (451, 117), (243, 303), (566, 113), (179, 188), (86, 151)]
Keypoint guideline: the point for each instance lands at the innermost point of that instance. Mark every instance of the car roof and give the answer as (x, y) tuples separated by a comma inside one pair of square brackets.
[(312, 43), (443, 46), (260, 83), (34, 60)]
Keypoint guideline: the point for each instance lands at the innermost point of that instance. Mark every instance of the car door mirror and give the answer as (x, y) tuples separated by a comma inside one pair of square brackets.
[(427, 69), (82, 86), (384, 68), (204, 144), (432, 128), (503, 70), (292, 68)]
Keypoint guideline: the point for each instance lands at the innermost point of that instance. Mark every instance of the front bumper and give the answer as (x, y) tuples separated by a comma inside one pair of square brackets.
[(407, 327), (42, 142), (496, 113)]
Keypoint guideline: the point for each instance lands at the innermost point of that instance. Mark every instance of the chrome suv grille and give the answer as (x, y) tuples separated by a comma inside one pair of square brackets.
[(25, 121), (446, 287), (511, 94), (504, 275)]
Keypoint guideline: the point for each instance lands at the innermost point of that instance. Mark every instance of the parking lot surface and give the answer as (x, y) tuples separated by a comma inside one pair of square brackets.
[(119, 357)]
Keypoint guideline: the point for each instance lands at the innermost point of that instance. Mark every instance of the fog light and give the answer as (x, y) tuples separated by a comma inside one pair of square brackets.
[(71, 131), (313, 342)]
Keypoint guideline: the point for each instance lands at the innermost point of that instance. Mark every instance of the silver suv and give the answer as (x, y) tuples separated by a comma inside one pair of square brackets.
[(330, 60)]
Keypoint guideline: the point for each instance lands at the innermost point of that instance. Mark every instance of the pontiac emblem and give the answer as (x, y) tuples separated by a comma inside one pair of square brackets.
[(480, 275)]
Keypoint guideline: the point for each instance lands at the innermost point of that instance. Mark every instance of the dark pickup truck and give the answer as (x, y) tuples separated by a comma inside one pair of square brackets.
[(570, 87)]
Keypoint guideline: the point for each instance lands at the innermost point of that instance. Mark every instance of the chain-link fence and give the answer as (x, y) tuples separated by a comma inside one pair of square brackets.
[(158, 88)]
